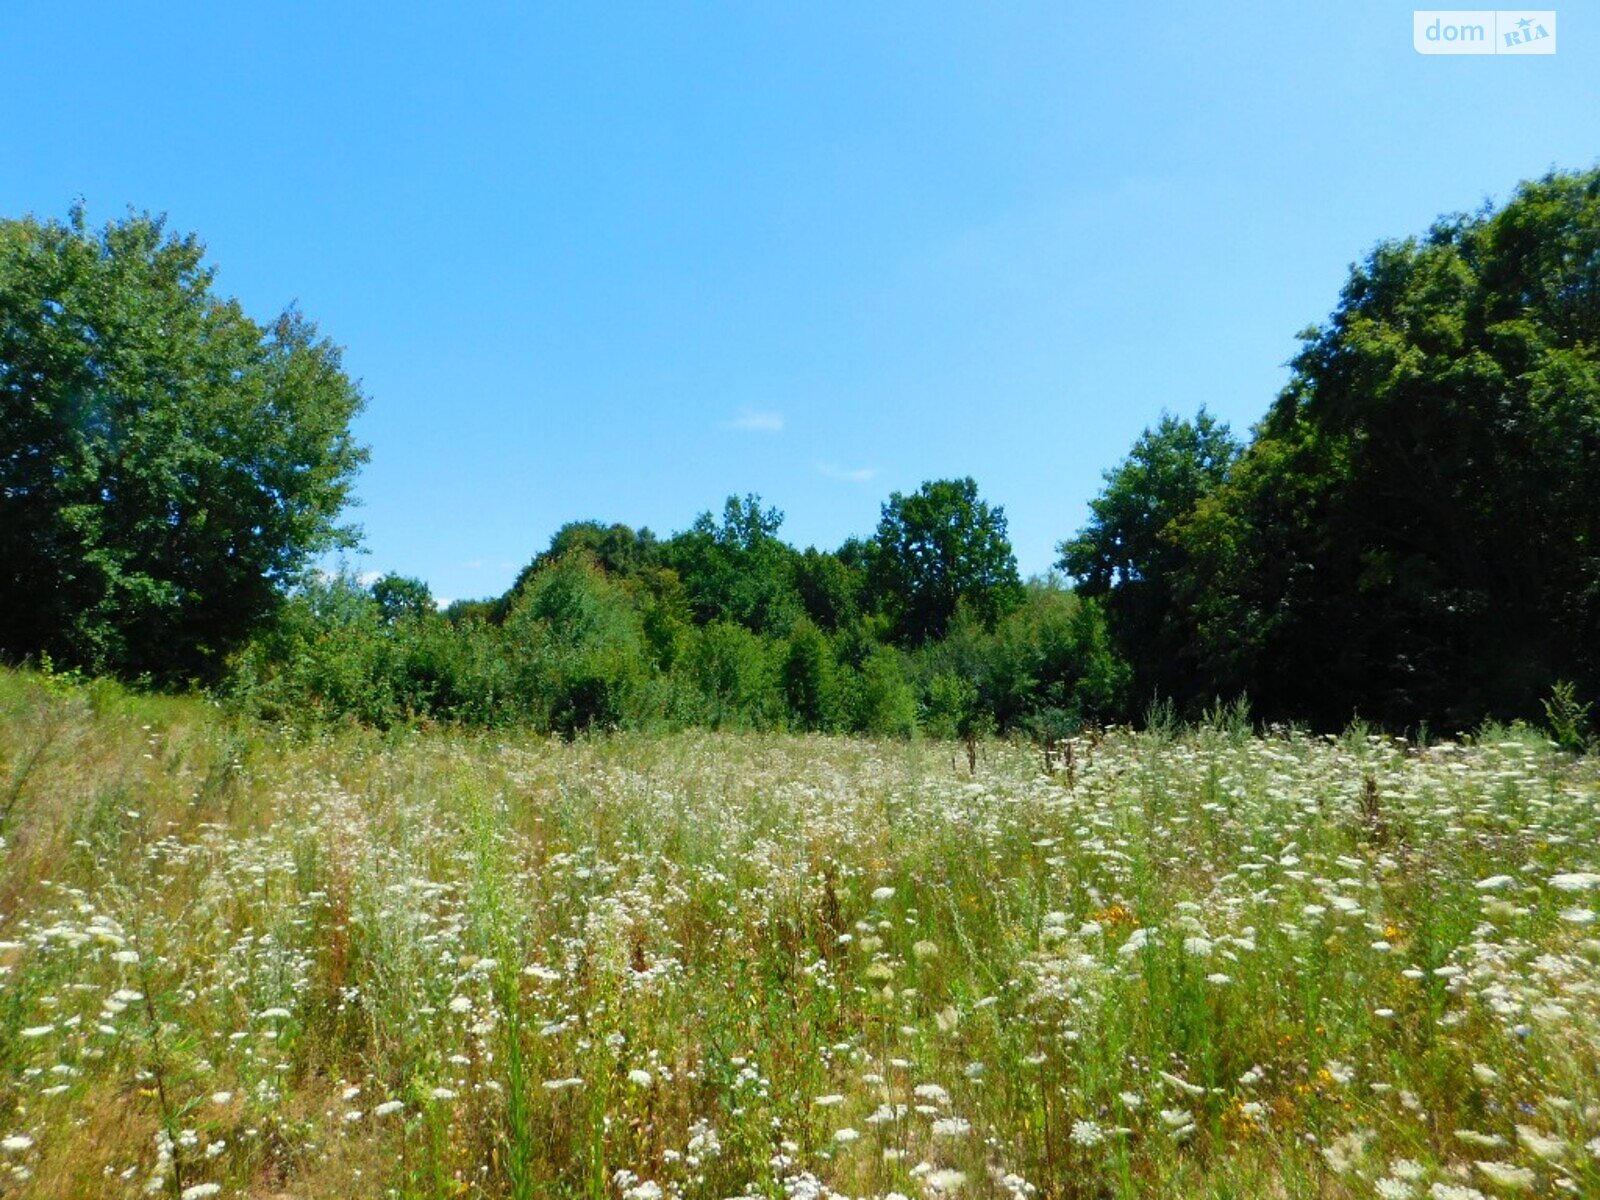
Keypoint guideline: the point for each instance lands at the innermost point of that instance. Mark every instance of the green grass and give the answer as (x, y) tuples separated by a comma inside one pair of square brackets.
[(449, 964)]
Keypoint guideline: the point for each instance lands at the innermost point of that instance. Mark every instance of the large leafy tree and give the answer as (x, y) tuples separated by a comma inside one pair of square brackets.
[(402, 598), (829, 588), (167, 465), (616, 549), (940, 547), (1415, 532), (1128, 552), (739, 569)]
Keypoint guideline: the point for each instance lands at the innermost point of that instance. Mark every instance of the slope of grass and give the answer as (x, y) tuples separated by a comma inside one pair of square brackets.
[(469, 965)]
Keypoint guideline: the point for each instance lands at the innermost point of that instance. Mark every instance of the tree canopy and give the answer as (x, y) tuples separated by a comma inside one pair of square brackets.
[(167, 465), (940, 547), (1130, 552), (1414, 532)]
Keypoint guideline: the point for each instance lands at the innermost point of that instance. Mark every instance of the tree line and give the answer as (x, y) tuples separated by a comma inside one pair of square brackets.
[(1411, 534), (926, 625)]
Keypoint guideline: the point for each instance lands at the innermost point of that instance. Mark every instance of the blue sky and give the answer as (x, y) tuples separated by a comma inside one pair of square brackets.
[(622, 261)]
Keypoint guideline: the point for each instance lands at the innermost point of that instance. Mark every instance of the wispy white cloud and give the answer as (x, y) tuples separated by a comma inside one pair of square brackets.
[(368, 578), (753, 420), (849, 474)]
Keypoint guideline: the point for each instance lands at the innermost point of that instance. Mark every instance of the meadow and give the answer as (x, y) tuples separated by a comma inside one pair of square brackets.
[(1207, 962)]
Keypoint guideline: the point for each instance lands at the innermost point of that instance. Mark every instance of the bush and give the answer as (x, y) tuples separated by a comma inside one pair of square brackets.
[(579, 647), (886, 701), (732, 678), (808, 678)]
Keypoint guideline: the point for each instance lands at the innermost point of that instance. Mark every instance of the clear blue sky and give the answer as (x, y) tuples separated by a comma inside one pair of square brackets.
[(621, 261)]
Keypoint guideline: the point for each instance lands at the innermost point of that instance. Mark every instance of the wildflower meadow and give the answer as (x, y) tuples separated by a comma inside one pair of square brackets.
[(1181, 962)]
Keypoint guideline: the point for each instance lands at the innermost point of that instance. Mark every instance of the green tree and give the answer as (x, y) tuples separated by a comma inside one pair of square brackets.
[(1415, 531), (952, 710), (886, 703), (578, 639), (807, 671), (1129, 554), (402, 598), (730, 671), (936, 548), (829, 589), (1049, 663), (167, 466), (319, 658), (739, 569), (616, 549)]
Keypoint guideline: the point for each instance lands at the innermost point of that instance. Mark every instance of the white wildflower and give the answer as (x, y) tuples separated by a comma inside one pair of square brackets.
[(1087, 1133), (1507, 1175), (1551, 1149), (1580, 881)]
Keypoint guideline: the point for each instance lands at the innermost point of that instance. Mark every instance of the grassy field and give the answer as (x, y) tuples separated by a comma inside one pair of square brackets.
[(1205, 963)]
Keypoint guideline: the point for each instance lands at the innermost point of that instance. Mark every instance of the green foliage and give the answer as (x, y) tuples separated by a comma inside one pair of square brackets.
[(739, 570), (401, 598), (830, 589), (1130, 554), (1460, 381), (1414, 532), (936, 549), (1411, 536), (1568, 718), (952, 708), (167, 466), (1048, 665), (808, 678), (1168, 471), (885, 701), (318, 660), (331, 652), (578, 644), (590, 642), (732, 677), (617, 549)]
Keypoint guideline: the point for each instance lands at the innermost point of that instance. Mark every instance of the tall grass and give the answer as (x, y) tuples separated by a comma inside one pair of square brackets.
[(1199, 963)]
